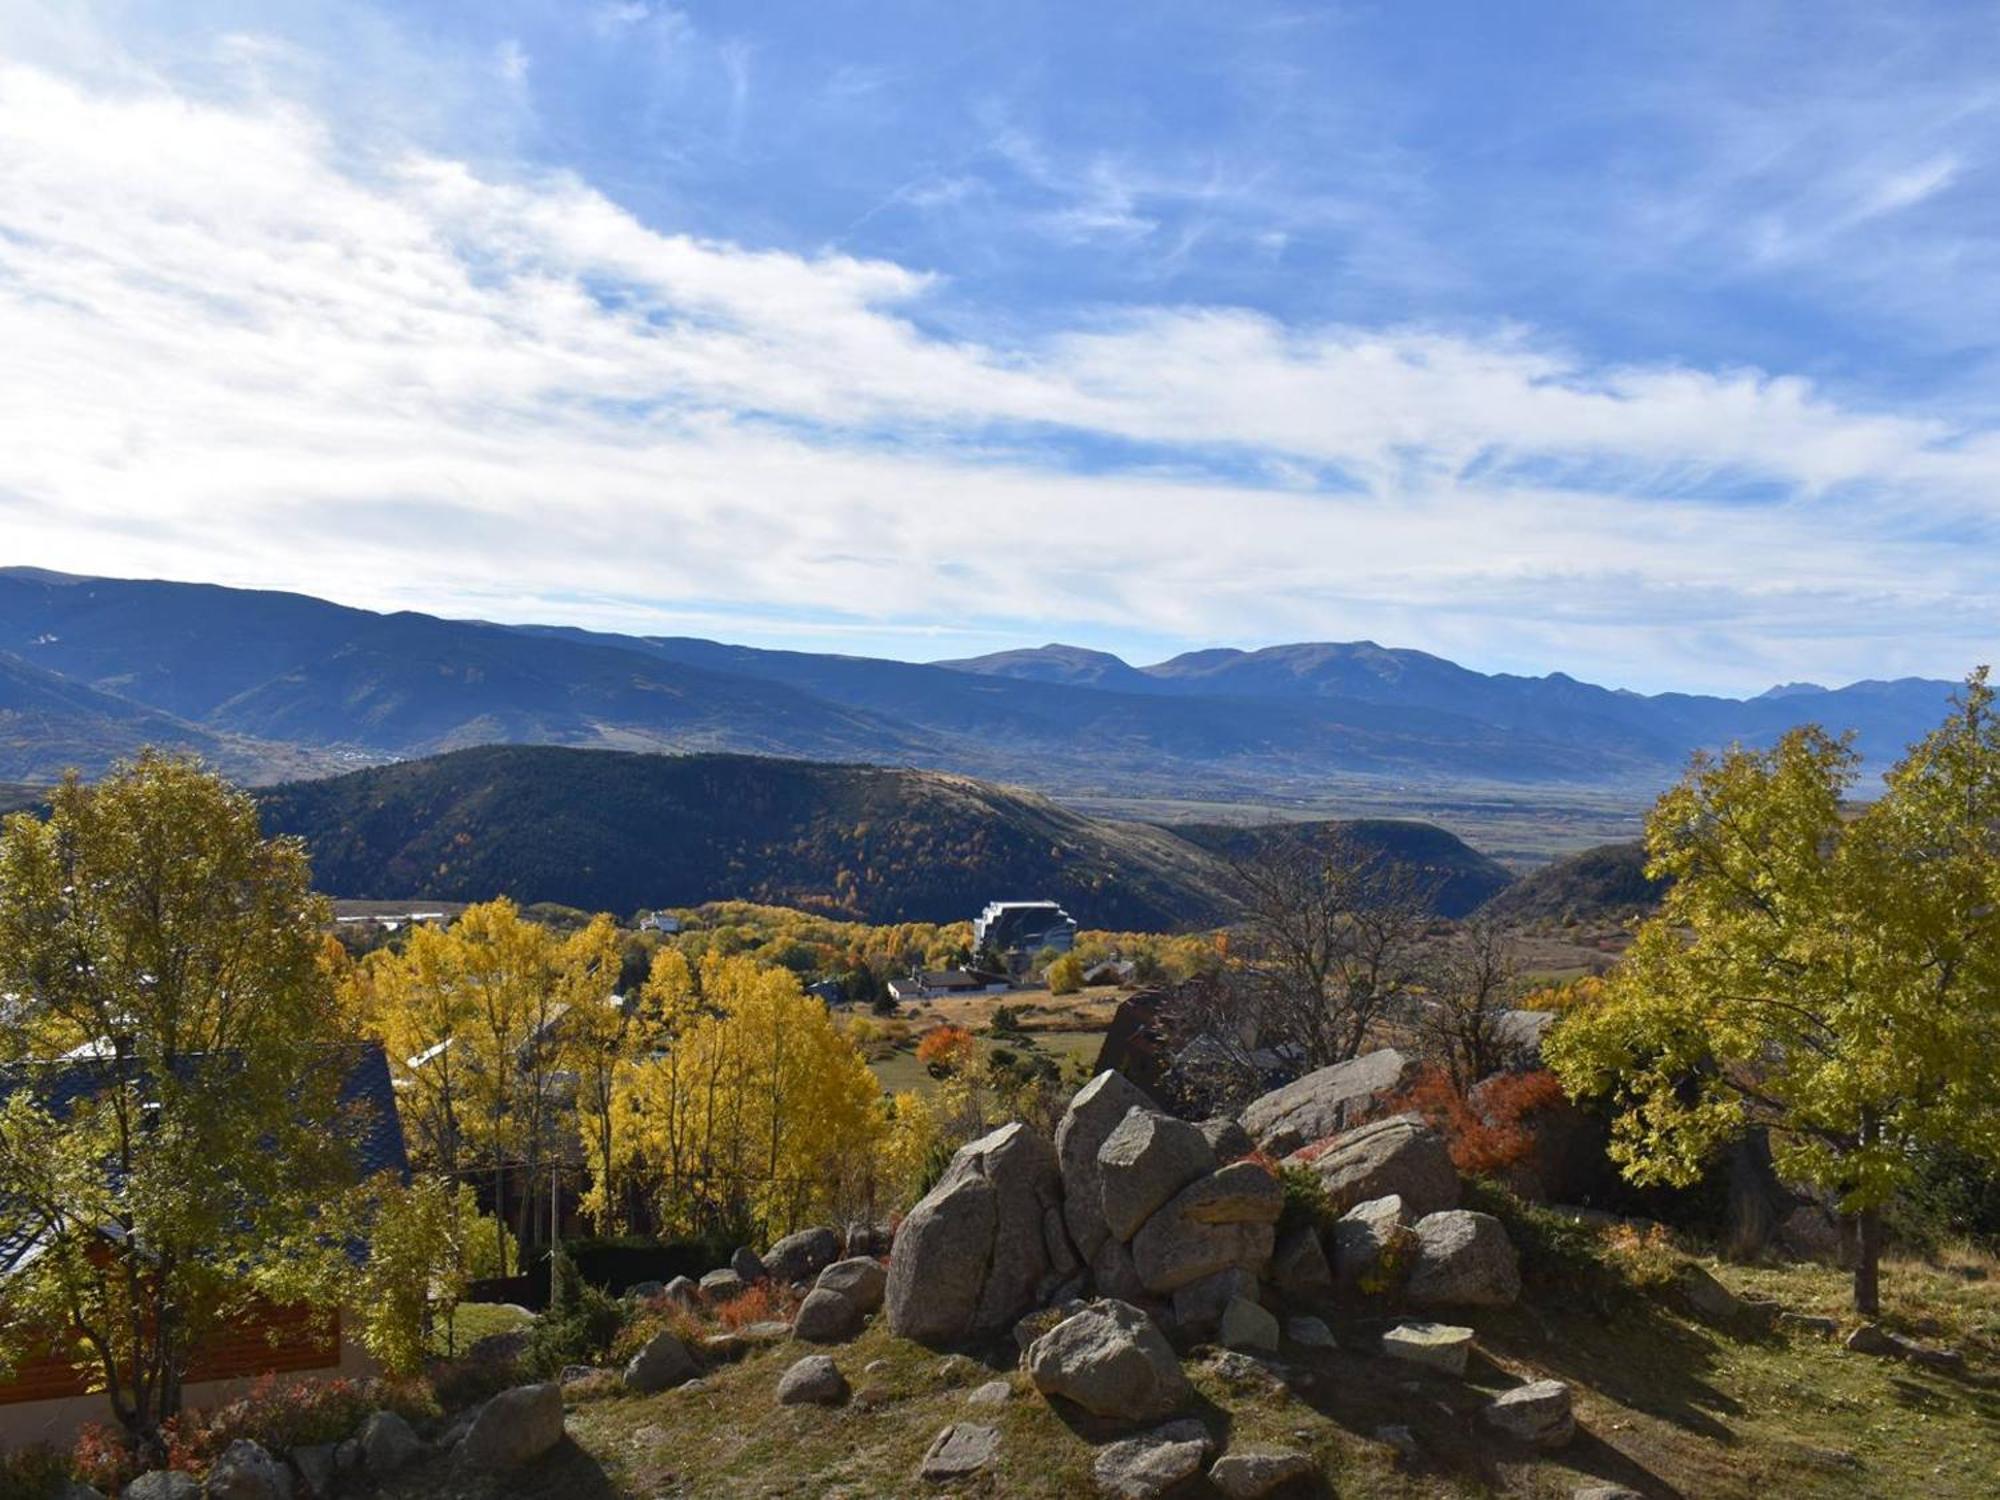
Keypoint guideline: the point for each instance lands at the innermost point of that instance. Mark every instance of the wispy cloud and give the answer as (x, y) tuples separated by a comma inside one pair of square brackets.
[(236, 346)]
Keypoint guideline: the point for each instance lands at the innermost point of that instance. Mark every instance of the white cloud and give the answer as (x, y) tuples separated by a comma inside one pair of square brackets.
[(230, 350)]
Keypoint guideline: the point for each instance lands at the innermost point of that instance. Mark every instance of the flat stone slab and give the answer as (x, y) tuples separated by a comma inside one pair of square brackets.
[(993, 1393), (1249, 1476), (962, 1448), (1537, 1413), (1435, 1346), (1143, 1467)]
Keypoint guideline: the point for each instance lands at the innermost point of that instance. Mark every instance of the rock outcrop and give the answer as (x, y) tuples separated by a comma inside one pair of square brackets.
[(663, 1363), (1145, 1161), (1096, 1110), (514, 1428), (1327, 1101), (1222, 1220), (1365, 1240), (842, 1297), (247, 1472), (802, 1256), (1111, 1360), (1400, 1155), (1463, 1259), (985, 1245)]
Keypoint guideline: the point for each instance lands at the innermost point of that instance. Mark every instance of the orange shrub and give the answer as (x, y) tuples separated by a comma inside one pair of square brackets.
[(945, 1051), (763, 1303), (1492, 1136)]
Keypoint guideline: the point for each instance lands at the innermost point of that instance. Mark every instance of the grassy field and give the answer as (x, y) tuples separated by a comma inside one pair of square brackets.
[(1522, 827), (899, 1070), (1666, 1405)]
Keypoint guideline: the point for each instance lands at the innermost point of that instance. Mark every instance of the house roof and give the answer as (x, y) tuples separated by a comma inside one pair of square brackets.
[(366, 1098)]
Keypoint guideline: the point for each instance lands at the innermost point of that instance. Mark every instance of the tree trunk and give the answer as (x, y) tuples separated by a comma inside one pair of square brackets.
[(1868, 1262)]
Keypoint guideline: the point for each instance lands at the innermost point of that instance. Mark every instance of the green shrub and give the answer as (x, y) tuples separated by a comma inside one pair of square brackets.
[(581, 1324), (1306, 1201), (34, 1473)]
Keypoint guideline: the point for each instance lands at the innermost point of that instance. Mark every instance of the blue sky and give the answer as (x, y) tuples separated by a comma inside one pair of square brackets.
[(1652, 343)]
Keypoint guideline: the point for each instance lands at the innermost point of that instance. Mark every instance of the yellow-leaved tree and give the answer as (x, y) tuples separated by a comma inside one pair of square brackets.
[(1827, 970), (757, 1107)]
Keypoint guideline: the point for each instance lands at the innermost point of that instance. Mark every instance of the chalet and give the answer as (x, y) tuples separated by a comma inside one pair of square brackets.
[(1023, 927), (947, 984), (660, 921), (46, 1401)]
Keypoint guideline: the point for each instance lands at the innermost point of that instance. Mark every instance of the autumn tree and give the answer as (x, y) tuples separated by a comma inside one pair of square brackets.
[(1827, 971), (1472, 980), (1331, 932), (753, 1109), (600, 1039), (153, 937)]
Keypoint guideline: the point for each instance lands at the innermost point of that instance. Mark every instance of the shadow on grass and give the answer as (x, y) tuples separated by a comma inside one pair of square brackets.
[(1635, 1355), (565, 1472)]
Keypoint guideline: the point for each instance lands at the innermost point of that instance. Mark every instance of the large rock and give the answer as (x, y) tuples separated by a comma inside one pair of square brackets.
[(1227, 1139), (798, 1257), (683, 1291), (1247, 1326), (163, 1484), (388, 1444), (1400, 1155), (748, 1266), (975, 1253), (1326, 1102), (516, 1427), (1224, 1219), (246, 1472), (319, 1470), (840, 1301), (1463, 1259), (1143, 1163), (962, 1448), (1144, 1467), (813, 1381), (858, 1279), (1365, 1238), (1112, 1273), (828, 1318), (1298, 1265), (1252, 1475), (1093, 1114), (722, 1285), (1538, 1413), (1199, 1306), (1112, 1361), (664, 1362)]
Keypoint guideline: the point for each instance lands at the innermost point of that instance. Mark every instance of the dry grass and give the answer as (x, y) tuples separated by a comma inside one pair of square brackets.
[(1667, 1406)]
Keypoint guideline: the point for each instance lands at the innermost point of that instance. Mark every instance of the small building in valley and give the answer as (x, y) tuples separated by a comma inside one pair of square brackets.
[(945, 984)]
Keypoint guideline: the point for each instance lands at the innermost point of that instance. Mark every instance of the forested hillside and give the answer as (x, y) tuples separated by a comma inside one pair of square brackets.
[(1591, 885), (1457, 877), (615, 831)]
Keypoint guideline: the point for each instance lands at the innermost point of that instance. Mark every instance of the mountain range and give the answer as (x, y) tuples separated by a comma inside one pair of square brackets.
[(275, 686)]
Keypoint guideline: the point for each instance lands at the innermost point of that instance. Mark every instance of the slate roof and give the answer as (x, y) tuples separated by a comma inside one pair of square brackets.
[(366, 1099)]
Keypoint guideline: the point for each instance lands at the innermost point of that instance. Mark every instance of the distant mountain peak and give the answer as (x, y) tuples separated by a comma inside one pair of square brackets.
[(1792, 690)]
